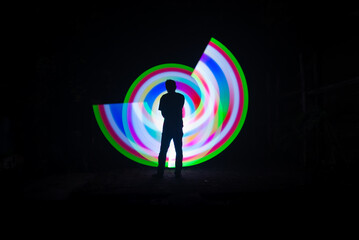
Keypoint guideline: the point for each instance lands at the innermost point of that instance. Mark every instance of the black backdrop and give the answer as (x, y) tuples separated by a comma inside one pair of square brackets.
[(300, 61)]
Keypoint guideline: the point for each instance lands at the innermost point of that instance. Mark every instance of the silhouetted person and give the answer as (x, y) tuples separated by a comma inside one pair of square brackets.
[(171, 105)]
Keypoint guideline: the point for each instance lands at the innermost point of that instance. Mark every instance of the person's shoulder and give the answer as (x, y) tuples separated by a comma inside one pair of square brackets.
[(179, 95), (164, 95)]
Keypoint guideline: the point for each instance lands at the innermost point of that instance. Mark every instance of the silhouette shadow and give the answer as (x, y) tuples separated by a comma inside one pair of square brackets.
[(171, 105)]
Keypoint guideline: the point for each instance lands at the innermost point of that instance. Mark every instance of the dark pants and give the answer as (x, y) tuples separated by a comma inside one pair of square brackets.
[(169, 133)]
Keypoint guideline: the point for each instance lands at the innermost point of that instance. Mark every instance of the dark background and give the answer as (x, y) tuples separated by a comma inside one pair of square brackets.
[(300, 60)]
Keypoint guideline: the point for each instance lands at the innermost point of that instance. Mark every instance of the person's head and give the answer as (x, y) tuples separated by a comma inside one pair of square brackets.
[(170, 85)]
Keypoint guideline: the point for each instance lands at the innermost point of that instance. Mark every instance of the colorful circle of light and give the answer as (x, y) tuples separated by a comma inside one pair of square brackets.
[(216, 103)]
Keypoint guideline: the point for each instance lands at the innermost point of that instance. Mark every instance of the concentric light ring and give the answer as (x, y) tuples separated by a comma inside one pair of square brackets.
[(215, 109)]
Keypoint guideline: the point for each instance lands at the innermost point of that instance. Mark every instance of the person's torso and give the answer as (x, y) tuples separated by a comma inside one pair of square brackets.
[(172, 104)]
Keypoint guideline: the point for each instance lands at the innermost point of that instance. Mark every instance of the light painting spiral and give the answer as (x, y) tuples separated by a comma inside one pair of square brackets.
[(216, 103)]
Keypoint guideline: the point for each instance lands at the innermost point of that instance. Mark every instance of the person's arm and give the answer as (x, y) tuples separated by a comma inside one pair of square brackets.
[(161, 108)]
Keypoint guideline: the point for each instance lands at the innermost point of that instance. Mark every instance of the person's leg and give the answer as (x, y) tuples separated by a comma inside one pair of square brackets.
[(177, 140), (165, 143)]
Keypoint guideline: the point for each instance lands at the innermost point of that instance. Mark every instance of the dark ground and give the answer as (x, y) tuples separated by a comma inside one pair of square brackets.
[(198, 188), (136, 186)]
